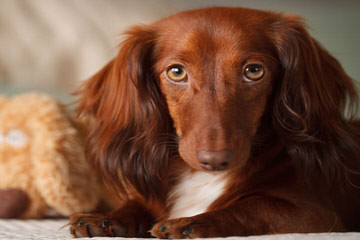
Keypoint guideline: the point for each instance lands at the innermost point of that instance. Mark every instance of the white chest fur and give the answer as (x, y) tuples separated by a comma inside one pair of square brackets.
[(195, 192)]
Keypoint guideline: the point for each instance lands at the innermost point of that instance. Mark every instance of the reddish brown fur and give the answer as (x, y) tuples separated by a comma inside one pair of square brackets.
[(295, 165)]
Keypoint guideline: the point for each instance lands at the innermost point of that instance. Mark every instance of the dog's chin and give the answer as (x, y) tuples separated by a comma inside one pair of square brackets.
[(195, 166), (200, 169)]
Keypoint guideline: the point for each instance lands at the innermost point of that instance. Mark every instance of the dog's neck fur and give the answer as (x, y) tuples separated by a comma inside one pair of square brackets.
[(195, 192)]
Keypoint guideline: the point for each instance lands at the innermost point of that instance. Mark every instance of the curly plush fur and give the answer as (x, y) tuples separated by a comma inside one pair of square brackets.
[(42, 154)]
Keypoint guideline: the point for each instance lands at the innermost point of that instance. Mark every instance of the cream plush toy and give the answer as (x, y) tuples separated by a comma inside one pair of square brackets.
[(42, 167)]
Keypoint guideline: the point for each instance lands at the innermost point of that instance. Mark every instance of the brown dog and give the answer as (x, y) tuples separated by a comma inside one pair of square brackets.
[(220, 122)]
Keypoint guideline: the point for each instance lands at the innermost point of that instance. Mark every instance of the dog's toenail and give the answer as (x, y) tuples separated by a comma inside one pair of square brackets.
[(187, 231), (80, 223), (105, 223), (162, 228)]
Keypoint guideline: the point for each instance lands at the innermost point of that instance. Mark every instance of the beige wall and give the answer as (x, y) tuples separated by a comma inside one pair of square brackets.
[(52, 45)]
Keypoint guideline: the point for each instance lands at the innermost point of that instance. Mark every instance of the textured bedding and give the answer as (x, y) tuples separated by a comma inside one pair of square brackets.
[(52, 229)]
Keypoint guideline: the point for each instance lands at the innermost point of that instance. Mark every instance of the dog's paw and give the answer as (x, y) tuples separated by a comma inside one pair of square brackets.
[(182, 228), (95, 225)]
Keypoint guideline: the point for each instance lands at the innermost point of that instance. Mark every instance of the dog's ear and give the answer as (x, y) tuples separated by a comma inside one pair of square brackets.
[(127, 113), (314, 88), (312, 97), (117, 92)]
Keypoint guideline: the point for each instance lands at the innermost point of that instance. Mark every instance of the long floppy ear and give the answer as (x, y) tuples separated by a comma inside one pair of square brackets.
[(312, 99), (129, 120)]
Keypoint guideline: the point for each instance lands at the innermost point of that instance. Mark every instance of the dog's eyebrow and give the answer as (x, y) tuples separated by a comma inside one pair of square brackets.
[(259, 55), (184, 57)]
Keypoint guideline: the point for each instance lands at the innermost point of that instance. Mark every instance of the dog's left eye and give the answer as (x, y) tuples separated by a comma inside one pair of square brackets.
[(176, 73), (253, 72)]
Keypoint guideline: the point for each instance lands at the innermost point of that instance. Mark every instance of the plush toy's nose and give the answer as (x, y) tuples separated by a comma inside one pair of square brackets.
[(14, 202), (215, 160)]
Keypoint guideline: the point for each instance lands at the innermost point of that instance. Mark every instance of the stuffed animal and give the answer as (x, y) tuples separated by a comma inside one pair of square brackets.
[(43, 171)]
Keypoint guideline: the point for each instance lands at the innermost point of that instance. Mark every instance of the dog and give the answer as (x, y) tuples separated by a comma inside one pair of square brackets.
[(223, 122)]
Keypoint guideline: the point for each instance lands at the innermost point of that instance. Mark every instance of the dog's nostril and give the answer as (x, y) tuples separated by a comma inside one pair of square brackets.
[(224, 164), (215, 160)]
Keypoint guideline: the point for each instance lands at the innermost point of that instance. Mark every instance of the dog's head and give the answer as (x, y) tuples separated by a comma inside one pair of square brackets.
[(213, 77), (216, 69)]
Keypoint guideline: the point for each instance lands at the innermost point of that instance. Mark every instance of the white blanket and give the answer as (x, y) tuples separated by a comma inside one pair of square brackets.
[(54, 229)]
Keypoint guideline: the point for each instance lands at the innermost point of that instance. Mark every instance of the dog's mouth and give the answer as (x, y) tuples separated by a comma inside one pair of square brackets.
[(213, 154), (213, 158)]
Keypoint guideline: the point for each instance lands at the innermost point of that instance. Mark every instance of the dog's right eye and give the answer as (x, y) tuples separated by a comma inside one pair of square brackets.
[(253, 72), (176, 73)]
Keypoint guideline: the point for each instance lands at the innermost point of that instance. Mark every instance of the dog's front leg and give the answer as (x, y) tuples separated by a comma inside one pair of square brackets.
[(252, 216), (131, 220)]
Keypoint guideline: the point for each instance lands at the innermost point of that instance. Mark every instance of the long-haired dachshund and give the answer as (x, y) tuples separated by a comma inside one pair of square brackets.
[(223, 122)]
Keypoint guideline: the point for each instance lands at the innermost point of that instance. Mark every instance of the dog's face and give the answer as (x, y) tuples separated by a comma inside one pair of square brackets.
[(216, 72), (233, 83)]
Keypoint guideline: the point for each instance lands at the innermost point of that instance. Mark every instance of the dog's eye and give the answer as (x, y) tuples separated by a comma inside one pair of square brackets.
[(176, 73), (253, 72)]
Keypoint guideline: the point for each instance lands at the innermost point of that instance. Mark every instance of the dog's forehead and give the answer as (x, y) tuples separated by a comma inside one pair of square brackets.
[(221, 15), (214, 30)]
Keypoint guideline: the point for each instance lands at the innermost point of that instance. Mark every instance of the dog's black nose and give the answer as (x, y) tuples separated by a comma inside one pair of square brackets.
[(215, 160)]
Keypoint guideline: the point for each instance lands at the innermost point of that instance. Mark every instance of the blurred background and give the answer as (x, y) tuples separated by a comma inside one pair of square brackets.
[(53, 45)]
